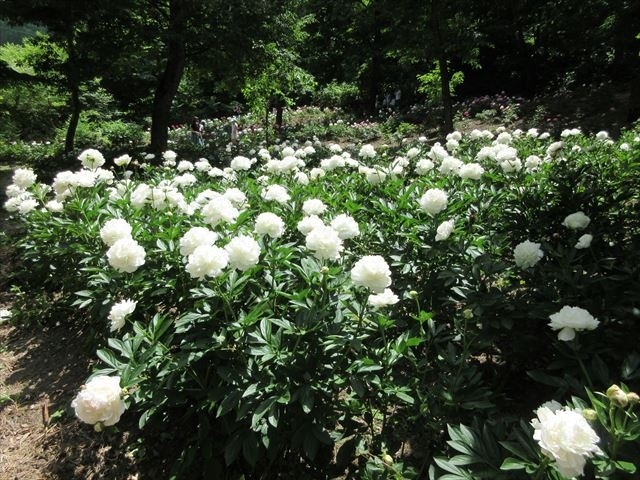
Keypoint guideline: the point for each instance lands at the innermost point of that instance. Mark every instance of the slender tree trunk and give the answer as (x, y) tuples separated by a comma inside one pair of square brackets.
[(74, 87), (445, 74), (279, 114), (170, 79), (267, 108), (76, 107), (376, 62)]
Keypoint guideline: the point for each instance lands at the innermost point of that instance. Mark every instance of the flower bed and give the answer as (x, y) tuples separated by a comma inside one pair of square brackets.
[(312, 309)]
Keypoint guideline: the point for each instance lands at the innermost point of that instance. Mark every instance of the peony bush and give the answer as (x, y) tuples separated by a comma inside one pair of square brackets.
[(297, 308)]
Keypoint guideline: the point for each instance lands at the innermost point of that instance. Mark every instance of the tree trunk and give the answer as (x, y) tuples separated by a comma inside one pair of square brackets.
[(170, 79), (279, 113), (445, 74), (376, 63), (74, 88), (76, 107)]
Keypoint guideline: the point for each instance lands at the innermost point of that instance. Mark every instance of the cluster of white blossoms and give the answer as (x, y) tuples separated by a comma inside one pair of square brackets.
[(527, 254), (99, 402), (207, 261), (118, 313), (566, 437), (570, 320), (18, 198), (124, 254)]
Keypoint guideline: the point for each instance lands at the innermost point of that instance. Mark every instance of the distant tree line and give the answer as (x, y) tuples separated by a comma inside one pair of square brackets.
[(171, 58)]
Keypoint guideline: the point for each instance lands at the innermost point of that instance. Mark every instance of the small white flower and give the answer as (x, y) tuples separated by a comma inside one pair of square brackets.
[(269, 224), (444, 230), (433, 201), (122, 160), (244, 252), (114, 230), (309, 223), (313, 206), (584, 241), (276, 193), (372, 272), (91, 159), (241, 163), (207, 261), (324, 242), (119, 312), (126, 255), (527, 254), (185, 166), (383, 299), (576, 221), (367, 151), (24, 177), (346, 226), (566, 437), (99, 401), (195, 237), (472, 171), (424, 165), (5, 314), (571, 319)]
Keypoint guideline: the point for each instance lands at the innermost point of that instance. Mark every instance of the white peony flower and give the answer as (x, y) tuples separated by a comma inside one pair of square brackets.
[(566, 437), (195, 237), (276, 193), (207, 261), (126, 255), (118, 313), (433, 201), (324, 242), (309, 223), (313, 206), (270, 224), (114, 230), (532, 162), (54, 206), (169, 156), (527, 254), (185, 166), (472, 171), (24, 177), (424, 165), (219, 210), (122, 160), (346, 226), (241, 163), (450, 165), (444, 230), (27, 205), (602, 135), (301, 178), (576, 221), (383, 299), (91, 159), (235, 196), (571, 319), (244, 252), (372, 272), (140, 196), (316, 173), (99, 401), (367, 151), (584, 241)]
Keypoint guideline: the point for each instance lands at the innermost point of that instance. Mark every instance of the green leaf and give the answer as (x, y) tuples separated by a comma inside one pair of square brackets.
[(627, 467), (511, 463)]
